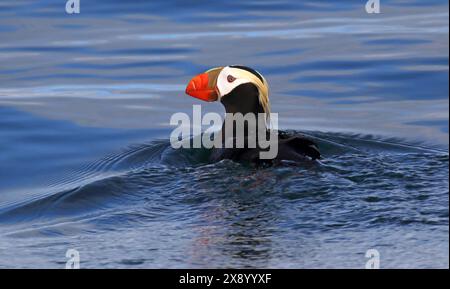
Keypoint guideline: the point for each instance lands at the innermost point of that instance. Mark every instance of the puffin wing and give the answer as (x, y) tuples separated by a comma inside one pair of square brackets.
[(290, 147), (301, 145)]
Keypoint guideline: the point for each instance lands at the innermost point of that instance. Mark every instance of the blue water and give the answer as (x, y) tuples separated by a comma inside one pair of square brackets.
[(85, 162)]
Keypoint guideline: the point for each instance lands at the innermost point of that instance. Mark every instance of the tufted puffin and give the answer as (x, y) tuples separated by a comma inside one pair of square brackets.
[(244, 90)]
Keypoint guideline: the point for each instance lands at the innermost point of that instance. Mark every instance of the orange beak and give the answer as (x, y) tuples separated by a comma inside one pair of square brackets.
[(203, 86)]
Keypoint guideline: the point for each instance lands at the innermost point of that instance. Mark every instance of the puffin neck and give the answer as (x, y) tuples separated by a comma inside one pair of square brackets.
[(243, 99)]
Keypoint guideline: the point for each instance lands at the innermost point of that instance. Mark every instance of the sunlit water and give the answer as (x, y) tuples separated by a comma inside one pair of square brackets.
[(85, 162)]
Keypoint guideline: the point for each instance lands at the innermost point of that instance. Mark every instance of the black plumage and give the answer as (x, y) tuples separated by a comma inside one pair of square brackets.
[(291, 146)]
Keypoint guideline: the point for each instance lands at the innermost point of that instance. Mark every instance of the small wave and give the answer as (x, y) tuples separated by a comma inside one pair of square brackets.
[(124, 178)]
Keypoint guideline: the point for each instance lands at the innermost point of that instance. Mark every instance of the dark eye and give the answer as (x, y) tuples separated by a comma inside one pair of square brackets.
[(231, 78)]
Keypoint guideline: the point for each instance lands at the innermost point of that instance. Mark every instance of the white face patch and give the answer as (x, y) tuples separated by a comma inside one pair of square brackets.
[(229, 78)]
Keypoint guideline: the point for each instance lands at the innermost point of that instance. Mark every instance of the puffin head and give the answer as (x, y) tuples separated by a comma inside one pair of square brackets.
[(238, 88)]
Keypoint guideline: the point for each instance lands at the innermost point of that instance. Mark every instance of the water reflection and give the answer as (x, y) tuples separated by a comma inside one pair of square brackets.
[(238, 223)]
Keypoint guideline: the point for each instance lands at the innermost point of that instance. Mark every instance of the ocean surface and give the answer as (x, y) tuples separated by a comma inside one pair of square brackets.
[(86, 164)]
